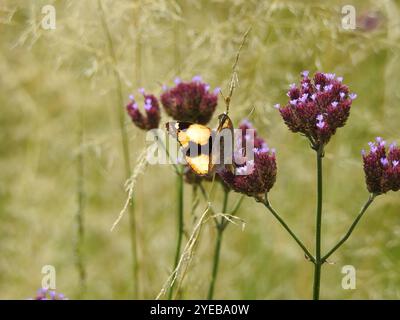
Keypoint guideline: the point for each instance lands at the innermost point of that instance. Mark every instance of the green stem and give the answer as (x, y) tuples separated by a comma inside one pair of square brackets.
[(125, 148), (179, 187), (318, 262), (287, 228), (217, 250), (349, 232)]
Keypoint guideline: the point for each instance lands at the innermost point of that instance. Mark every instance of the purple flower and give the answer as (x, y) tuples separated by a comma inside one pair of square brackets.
[(177, 80), (304, 97), (151, 119), (331, 102), (330, 76), (45, 294), (254, 176), (305, 73), (384, 162), (352, 96), (381, 167), (196, 78), (190, 101)]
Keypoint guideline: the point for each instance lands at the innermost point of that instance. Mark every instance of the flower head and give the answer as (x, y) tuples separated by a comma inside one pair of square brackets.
[(381, 167), (152, 116), (190, 101), (256, 176), (45, 294), (317, 107)]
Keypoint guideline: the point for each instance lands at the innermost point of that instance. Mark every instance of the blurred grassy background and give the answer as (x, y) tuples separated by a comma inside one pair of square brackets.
[(49, 77)]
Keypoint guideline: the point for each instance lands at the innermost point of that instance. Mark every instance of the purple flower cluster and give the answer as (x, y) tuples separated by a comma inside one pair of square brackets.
[(382, 167), (190, 101), (45, 294), (317, 107), (253, 177), (151, 119)]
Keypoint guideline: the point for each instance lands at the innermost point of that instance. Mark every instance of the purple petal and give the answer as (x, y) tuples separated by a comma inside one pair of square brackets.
[(305, 73), (196, 78), (353, 96), (384, 161)]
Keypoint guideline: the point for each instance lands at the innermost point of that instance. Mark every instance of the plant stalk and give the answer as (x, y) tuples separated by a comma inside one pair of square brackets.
[(79, 217), (318, 262), (220, 230), (287, 228), (179, 188), (354, 224), (125, 148)]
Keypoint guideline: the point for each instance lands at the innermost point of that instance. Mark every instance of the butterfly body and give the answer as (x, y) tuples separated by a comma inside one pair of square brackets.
[(202, 147)]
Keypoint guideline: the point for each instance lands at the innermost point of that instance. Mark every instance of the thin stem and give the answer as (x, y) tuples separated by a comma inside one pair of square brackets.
[(80, 227), (317, 264), (217, 250), (292, 234), (349, 232), (125, 148), (179, 188)]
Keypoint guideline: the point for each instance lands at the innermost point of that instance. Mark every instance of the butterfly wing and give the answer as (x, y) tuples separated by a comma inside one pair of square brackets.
[(195, 140)]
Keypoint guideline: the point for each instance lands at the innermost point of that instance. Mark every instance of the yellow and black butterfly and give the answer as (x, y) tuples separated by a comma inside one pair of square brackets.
[(203, 148)]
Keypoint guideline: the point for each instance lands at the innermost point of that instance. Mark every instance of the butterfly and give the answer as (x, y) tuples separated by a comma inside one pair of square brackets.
[(203, 148)]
